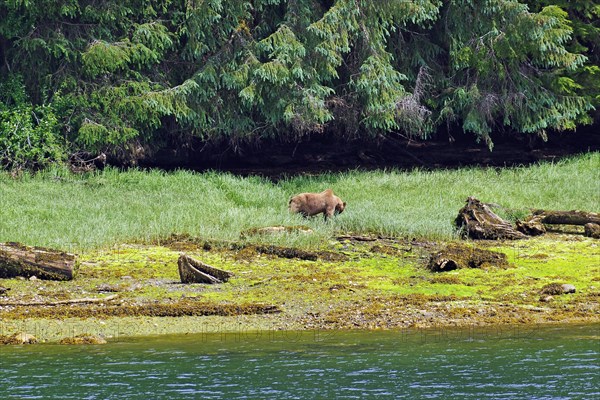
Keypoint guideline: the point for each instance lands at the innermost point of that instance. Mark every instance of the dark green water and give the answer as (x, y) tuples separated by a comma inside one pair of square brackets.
[(501, 363)]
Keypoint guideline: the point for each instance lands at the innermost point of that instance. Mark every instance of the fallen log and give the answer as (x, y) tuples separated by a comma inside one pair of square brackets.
[(19, 260), (566, 217), (195, 271), (535, 224), (477, 221)]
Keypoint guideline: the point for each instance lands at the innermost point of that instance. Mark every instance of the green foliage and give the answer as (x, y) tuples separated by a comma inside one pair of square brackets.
[(584, 20), (505, 62), (29, 135), (378, 84), (146, 72)]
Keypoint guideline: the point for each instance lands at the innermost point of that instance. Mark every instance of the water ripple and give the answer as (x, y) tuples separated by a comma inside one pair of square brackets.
[(348, 366)]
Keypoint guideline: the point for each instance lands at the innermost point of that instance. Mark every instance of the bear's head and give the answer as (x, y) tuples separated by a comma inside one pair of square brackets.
[(340, 206)]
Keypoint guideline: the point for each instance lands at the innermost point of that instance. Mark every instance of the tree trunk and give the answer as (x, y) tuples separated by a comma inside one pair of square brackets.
[(477, 221), (194, 271), (534, 225), (27, 261)]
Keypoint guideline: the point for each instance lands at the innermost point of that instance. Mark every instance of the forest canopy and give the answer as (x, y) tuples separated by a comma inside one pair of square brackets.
[(116, 75)]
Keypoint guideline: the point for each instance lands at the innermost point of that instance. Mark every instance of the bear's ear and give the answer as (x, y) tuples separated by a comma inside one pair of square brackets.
[(344, 203)]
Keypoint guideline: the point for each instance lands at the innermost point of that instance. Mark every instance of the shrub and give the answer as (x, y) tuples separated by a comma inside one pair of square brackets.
[(29, 135)]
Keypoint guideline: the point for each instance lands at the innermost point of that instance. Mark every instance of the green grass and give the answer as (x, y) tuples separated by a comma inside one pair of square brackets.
[(60, 210)]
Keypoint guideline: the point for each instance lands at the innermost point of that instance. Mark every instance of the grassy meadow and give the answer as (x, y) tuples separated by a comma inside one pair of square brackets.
[(57, 209)]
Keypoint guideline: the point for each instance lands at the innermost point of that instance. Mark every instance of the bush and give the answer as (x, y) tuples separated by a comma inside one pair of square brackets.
[(29, 136)]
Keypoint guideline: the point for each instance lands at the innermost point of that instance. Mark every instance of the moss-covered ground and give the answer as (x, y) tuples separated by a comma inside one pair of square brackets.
[(348, 283)]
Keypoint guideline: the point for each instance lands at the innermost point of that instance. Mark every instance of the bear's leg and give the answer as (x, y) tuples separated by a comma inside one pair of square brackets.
[(328, 212)]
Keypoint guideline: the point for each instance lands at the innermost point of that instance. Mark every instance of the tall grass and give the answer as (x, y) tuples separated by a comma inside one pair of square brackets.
[(57, 209)]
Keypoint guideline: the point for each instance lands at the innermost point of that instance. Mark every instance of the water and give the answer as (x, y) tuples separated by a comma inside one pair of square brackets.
[(501, 363)]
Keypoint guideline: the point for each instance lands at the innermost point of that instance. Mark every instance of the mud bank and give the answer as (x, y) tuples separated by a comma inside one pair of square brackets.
[(351, 283)]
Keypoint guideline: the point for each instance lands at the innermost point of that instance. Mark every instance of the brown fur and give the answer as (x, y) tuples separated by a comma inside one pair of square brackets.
[(309, 204)]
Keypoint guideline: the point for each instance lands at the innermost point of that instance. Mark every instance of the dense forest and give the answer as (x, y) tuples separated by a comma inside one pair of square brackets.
[(121, 76)]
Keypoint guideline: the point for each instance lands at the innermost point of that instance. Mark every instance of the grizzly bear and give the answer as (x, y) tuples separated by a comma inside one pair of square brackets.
[(309, 204)]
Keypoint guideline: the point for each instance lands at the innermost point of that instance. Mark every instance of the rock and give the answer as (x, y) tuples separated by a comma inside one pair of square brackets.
[(83, 339), (546, 299), (33, 278), (3, 290), (568, 288), (592, 230), (555, 289), (18, 338), (105, 287)]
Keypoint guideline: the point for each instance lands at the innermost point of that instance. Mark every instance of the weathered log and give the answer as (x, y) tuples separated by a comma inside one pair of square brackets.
[(27, 261), (534, 224), (195, 271), (274, 230), (566, 217), (477, 221)]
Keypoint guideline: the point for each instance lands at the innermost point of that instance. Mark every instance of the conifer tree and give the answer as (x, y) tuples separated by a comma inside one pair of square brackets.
[(123, 74)]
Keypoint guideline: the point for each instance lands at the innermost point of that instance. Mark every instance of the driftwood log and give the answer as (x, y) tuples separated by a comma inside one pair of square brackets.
[(477, 221), (195, 271), (535, 224), (27, 261)]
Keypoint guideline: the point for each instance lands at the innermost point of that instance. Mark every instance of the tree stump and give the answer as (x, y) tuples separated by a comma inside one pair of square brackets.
[(531, 227), (27, 261), (195, 271), (477, 221)]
